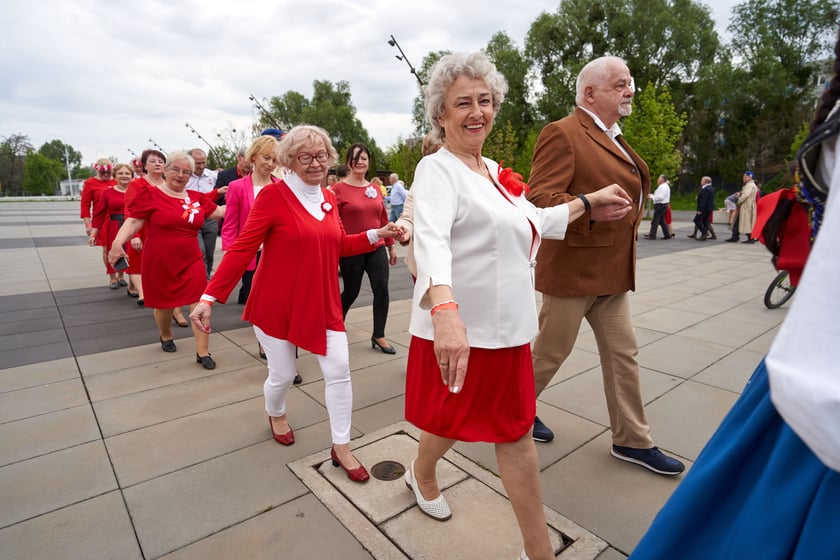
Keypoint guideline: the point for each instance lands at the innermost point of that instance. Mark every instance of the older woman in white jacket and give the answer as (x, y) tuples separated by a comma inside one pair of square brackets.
[(469, 373)]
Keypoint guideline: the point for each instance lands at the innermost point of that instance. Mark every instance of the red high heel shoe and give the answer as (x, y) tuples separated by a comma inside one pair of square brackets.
[(359, 474), (286, 439)]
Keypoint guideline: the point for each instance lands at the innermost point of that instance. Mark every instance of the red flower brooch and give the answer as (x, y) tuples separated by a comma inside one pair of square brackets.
[(512, 181), (326, 207)]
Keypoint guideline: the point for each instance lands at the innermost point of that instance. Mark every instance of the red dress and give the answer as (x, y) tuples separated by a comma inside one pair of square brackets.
[(91, 191), (109, 217), (173, 270), (294, 295)]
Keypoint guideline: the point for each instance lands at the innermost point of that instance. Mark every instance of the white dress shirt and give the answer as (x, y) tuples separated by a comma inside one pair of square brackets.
[(204, 183), (476, 238)]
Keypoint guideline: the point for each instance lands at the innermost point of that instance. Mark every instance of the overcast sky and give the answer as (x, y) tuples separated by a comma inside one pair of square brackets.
[(108, 76)]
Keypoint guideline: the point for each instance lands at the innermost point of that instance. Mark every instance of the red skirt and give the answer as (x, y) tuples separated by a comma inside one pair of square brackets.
[(497, 403)]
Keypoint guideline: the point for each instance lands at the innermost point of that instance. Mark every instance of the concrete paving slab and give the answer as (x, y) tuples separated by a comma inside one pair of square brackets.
[(39, 435), (613, 499), (147, 453), (681, 356), (302, 529), (668, 320), (684, 419), (50, 482), (138, 410), (162, 374), (95, 528), (34, 375), (378, 416), (33, 401), (178, 509), (732, 372)]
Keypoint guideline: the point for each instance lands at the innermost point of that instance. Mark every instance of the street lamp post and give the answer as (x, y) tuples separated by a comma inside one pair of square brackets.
[(393, 42), (67, 163), (209, 146), (266, 115)]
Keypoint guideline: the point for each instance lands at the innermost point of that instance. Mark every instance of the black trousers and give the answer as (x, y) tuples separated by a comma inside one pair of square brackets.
[(376, 265), (659, 211), (703, 220), (247, 279)]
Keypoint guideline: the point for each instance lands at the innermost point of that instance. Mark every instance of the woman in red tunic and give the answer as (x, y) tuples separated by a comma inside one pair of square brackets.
[(361, 206), (173, 270), (107, 221), (91, 191), (296, 224)]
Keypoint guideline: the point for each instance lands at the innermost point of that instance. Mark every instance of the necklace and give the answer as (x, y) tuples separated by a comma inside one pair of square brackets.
[(173, 193), (474, 165)]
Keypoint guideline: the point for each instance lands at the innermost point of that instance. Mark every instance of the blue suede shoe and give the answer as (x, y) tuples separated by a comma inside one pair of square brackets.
[(542, 432), (652, 459)]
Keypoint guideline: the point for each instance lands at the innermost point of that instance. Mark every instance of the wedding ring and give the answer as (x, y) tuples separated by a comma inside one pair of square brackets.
[(444, 363)]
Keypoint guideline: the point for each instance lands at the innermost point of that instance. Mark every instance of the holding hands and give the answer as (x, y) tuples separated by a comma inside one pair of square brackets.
[(609, 203)]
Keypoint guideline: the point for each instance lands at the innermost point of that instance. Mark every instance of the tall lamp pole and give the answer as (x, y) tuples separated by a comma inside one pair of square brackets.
[(266, 115), (393, 42), (156, 145), (209, 145)]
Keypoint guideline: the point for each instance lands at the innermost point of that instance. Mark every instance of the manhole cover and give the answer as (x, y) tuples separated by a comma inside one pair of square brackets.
[(387, 470)]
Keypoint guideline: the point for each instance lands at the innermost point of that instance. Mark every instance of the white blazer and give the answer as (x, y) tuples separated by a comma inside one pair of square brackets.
[(477, 238)]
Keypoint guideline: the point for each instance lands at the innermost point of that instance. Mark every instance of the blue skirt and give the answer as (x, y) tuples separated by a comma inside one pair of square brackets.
[(755, 491)]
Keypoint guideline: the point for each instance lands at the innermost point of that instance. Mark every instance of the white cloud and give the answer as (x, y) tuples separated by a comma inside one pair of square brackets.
[(107, 76)]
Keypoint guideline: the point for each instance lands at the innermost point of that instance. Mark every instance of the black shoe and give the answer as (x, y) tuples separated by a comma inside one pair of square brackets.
[(132, 294), (668, 237), (648, 236), (298, 379), (652, 459), (206, 361), (541, 432), (385, 349), (750, 241), (732, 240), (692, 236), (140, 303), (702, 238), (167, 345)]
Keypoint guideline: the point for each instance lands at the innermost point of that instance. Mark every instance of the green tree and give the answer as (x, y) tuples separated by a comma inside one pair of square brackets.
[(654, 129), (418, 110), (516, 109), (750, 104), (41, 174), (502, 145), (331, 108), (54, 150), (665, 42), (403, 157), (13, 150)]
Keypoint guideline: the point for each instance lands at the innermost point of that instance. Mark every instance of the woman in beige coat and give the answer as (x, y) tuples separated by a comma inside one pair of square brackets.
[(746, 206)]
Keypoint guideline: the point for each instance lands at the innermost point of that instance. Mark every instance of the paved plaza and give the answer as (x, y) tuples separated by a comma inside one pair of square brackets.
[(111, 448)]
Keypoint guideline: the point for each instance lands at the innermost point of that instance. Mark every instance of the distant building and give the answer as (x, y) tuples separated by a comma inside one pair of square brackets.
[(71, 188)]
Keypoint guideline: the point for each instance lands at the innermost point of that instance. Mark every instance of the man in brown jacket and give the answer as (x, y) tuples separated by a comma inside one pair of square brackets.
[(590, 272)]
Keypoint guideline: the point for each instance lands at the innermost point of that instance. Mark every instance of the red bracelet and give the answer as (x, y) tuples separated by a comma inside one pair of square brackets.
[(207, 301), (451, 304)]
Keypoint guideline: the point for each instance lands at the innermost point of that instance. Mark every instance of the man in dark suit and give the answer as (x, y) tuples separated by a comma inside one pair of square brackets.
[(705, 208), (590, 272)]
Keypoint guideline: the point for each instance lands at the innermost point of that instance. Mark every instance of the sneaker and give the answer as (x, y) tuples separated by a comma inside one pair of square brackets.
[(542, 432), (652, 459)]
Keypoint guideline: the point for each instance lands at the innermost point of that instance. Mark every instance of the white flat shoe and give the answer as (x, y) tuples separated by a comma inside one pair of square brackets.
[(523, 556), (437, 508)]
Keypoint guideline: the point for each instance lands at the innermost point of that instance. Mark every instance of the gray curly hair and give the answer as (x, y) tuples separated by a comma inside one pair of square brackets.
[(474, 65)]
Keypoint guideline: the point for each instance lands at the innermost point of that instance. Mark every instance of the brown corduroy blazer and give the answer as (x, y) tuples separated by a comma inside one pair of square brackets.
[(574, 156)]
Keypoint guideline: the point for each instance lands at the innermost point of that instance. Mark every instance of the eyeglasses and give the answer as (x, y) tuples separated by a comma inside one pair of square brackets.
[(176, 171), (306, 159)]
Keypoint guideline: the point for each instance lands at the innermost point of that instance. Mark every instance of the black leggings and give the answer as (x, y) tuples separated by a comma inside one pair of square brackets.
[(376, 265)]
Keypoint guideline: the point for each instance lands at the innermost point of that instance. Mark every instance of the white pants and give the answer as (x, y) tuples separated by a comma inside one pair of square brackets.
[(335, 367)]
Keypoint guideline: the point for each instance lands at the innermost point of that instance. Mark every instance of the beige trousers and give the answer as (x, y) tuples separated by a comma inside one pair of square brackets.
[(612, 325)]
